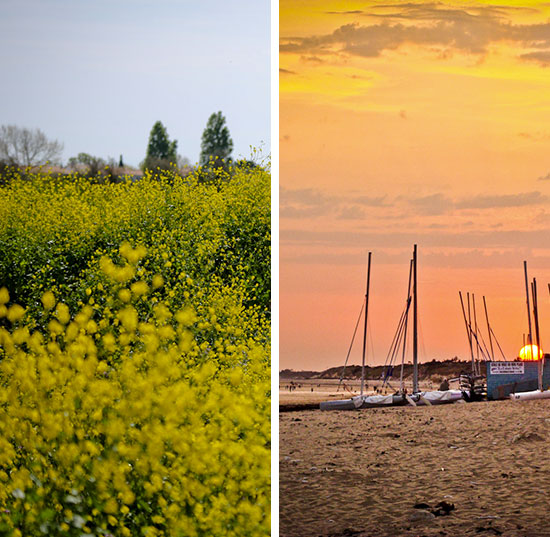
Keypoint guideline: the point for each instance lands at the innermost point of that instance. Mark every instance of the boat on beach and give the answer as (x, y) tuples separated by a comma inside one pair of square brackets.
[(401, 398)]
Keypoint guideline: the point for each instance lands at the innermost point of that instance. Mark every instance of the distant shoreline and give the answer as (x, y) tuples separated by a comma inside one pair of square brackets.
[(426, 370)]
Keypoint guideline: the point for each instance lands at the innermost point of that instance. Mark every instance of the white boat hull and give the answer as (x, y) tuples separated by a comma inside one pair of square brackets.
[(527, 396), (344, 404), (384, 401), (439, 397)]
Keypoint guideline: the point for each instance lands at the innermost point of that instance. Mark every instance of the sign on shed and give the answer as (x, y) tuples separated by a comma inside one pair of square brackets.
[(506, 368)]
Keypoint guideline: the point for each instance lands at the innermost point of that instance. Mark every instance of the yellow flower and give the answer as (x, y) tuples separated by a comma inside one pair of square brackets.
[(62, 313), (149, 409), (48, 300), (125, 295), (111, 506), (4, 296), (139, 288), (15, 313), (158, 281)]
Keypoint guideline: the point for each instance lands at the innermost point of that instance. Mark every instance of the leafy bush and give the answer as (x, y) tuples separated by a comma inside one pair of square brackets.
[(134, 364)]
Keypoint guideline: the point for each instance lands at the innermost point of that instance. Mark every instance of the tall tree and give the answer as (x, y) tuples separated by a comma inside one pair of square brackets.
[(216, 141), (27, 147), (160, 150)]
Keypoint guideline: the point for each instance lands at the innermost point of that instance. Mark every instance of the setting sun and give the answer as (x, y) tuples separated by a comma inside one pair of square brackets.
[(530, 352)]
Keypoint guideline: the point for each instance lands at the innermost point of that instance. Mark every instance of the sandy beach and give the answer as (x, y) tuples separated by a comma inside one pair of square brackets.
[(452, 470)]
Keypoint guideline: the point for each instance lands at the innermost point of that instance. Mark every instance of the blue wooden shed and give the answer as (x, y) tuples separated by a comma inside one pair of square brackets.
[(504, 378)]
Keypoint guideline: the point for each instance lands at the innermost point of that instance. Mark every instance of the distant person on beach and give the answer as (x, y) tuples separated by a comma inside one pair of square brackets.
[(444, 386)]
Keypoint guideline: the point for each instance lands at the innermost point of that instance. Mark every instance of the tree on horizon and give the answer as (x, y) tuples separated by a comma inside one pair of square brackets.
[(27, 147), (216, 143), (161, 152)]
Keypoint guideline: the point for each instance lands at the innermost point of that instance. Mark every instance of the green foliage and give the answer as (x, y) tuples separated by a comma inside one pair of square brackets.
[(134, 345), (161, 152), (216, 143), (93, 167)]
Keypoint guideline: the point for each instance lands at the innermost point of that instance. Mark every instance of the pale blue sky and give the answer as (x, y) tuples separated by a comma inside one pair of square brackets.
[(96, 75)]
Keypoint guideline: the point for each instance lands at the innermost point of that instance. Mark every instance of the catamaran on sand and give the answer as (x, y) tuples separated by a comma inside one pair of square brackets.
[(400, 398)]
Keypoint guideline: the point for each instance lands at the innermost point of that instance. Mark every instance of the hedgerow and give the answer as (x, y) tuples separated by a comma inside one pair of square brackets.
[(134, 357)]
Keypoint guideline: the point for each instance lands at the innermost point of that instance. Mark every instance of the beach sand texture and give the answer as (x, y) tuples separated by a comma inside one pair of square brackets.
[(361, 473)]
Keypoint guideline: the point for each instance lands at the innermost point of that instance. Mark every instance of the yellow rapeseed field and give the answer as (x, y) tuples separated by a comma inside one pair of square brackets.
[(134, 357)]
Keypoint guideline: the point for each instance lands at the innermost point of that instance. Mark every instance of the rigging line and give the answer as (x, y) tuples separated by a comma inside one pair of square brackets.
[(395, 346), (475, 326), (479, 345), (498, 344), (399, 337), (487, 353), (536, 311), (468, 334), (404, 345), (422, 346), (475, 335), (370, 343), (409, 300), (394, 340), (351, 345), (369, 349), (401, 333), (488, 328)]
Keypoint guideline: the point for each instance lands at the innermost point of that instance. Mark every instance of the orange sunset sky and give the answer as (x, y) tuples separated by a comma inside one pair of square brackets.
[(403, 123)]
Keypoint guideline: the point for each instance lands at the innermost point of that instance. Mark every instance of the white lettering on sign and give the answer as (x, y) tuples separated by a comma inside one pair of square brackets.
[(506, 368)]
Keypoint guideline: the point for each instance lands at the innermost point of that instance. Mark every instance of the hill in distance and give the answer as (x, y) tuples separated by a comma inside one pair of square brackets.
[(428, 370)]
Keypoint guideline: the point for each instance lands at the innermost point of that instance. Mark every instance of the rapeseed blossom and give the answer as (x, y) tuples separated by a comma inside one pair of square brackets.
[(134, 362)]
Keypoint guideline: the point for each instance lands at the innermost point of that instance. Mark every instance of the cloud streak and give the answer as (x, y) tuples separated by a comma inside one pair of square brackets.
[(469, 31), (524, 199), (437, 204), (301, 203), (492, 240), (541, 57)]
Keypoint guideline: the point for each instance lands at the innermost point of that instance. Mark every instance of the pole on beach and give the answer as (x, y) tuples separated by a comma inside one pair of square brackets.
[(401, 385), (530, 341), (365, 327), (468, 329), (489, 329), (415, 324), (471, 333), (476, 333), (537, 333)]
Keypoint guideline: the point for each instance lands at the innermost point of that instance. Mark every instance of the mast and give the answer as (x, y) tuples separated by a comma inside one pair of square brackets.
[(489, 329), (406, 323), (468, 328), (537, 334), (471, 333), (365, 327), (476, 371), (530, 341), (415, 325)]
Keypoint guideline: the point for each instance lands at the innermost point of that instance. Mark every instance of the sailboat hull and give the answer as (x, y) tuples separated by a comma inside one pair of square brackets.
[(344, 404), (361, 401), (438, 397), (384, 401), (526, 396)]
